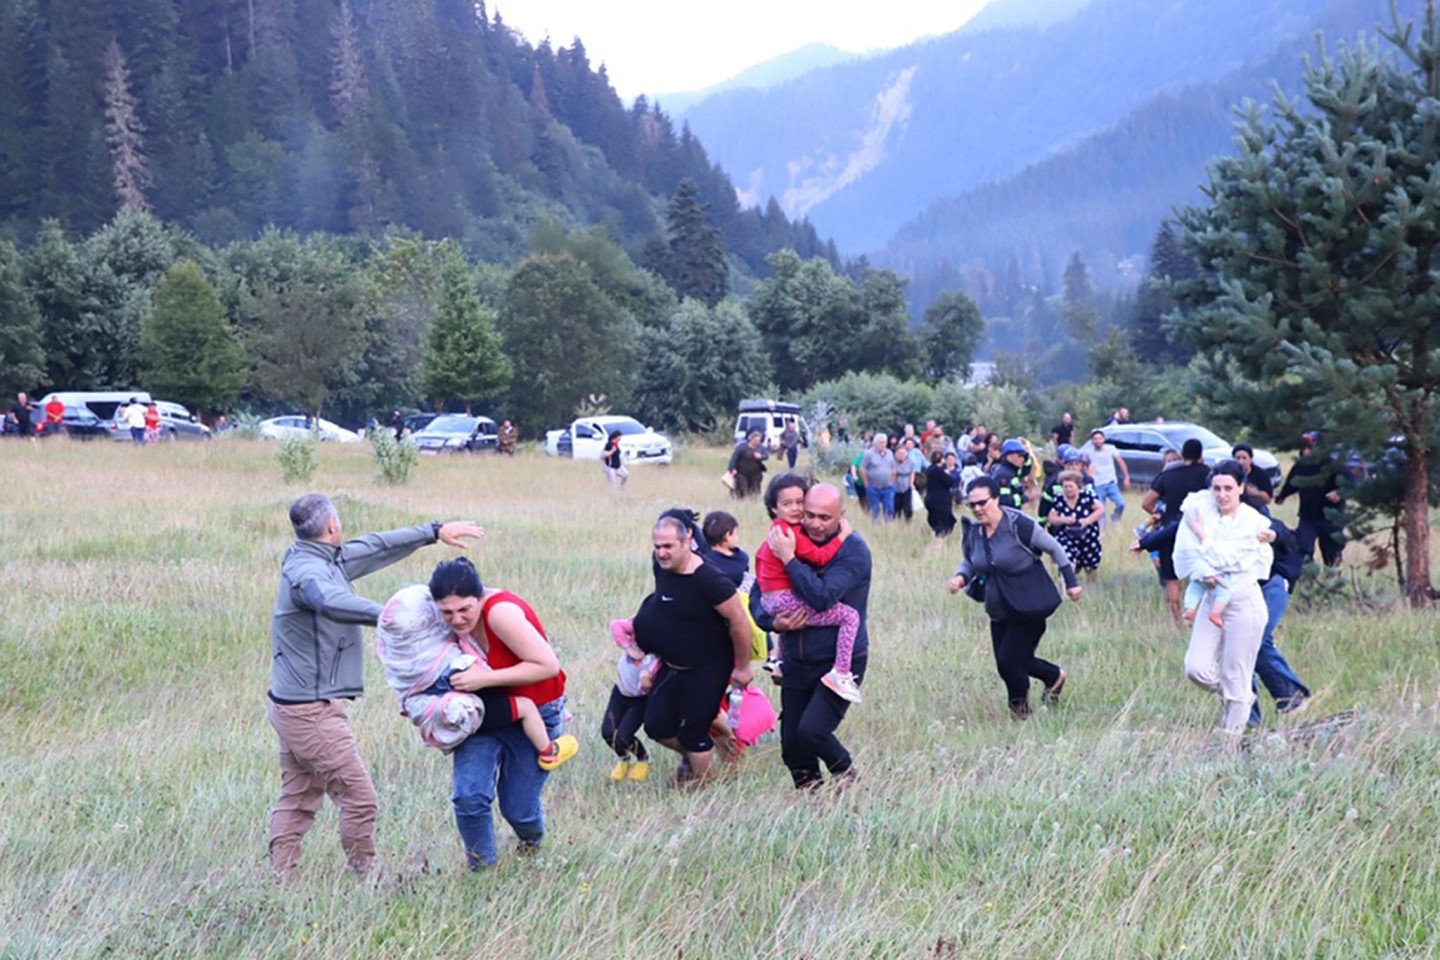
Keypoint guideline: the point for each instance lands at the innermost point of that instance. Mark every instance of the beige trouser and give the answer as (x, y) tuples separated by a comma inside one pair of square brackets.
[(318, 757), (1222, 659)]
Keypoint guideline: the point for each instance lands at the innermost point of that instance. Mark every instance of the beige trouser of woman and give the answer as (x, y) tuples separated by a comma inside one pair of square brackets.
[(1222, 659)]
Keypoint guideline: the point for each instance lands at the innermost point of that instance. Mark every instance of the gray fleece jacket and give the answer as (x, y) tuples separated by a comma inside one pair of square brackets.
[(1008, 555), (315, 633)]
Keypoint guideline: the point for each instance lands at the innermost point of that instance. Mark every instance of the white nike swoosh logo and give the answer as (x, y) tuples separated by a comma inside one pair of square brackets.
[(665, 598)]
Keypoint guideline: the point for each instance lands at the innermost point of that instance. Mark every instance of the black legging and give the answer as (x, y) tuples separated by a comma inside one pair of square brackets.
[(683, 702), (1014, 641), (621, 724)]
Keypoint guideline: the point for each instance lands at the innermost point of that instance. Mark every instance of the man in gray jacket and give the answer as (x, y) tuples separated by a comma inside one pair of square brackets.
[(318, 666)]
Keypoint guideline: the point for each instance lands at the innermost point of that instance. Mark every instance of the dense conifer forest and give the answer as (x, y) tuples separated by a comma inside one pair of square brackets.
[(352, 117)]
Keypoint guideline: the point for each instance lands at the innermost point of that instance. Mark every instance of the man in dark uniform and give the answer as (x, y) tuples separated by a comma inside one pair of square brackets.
[(1172, 486), (1010, 473)]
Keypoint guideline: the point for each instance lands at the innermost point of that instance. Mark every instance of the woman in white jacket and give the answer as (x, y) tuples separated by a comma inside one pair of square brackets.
[(1221, 657)]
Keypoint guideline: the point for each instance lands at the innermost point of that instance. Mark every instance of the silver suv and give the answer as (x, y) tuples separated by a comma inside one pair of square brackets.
[(1142, 446)]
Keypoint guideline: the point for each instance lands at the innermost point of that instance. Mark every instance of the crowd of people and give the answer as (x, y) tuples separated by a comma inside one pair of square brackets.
[(473, 670)]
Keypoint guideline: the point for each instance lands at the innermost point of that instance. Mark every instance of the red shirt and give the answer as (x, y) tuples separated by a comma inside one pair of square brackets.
[(500, 656), (770, 572), (54, 412), (152, 418)]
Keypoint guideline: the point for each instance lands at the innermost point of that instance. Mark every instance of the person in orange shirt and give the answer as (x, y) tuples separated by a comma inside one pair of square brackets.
[(54, 417), (152, 423)]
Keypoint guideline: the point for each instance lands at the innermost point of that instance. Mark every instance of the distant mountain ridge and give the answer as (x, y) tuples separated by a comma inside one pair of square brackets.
[(863, 148), (769, 73), (1106, 195)]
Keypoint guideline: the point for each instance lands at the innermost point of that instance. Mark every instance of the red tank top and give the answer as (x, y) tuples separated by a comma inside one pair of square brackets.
[(500, 656)]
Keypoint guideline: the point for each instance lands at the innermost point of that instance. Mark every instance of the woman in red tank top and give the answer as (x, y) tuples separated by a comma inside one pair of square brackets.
[(499, 764)]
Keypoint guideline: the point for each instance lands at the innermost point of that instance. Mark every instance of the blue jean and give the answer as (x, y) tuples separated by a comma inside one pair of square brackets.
[(881, 497), (1111, 492), (1271, 667), (501, 764)]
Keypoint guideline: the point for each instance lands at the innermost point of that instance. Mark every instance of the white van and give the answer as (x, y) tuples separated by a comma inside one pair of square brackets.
[(769, 416), (102, 403)]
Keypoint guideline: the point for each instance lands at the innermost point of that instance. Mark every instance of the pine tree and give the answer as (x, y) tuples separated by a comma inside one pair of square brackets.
[(190, 352), (124, 133), (347, 72), (464, 359), (1168, 265), (1079, 312), (1318, 248), (696, 264)]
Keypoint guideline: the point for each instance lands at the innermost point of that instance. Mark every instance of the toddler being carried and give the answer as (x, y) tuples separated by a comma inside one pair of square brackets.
[(420, 654)]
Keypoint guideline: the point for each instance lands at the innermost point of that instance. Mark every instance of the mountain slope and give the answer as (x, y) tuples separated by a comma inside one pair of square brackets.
[(1106, 196), (862, 147), (770, 73), (341, 116)]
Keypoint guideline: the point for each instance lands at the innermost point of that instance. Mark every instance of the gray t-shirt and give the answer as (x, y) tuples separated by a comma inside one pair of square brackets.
[(904, 474), (878, 468), (1103, 462)]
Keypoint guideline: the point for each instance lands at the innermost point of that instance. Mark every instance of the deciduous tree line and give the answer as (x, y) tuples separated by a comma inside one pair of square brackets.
[(354, 328)]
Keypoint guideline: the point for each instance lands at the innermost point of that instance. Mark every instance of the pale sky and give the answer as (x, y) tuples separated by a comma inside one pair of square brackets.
[(664, 46)]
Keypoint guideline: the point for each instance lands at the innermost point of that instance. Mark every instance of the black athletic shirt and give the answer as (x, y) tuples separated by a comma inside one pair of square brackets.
[(1177, 482), (679, 622)]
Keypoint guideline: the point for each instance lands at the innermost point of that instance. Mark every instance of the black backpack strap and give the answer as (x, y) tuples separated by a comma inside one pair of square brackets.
[(1025, 529)]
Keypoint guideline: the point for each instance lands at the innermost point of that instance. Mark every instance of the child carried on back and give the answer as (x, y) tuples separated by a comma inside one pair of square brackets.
[(420, 654), (777, 597)]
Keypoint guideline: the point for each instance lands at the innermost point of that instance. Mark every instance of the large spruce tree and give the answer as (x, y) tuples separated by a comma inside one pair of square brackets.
[(1319, 285), (190, 352), (693, 262), (463, 357)]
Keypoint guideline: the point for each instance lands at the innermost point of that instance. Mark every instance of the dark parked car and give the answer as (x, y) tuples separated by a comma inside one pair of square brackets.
[(457, 433), (1143, 446), (416, 422), (79, 424)]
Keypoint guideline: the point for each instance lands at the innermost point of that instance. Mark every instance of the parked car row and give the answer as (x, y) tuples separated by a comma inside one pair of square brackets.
[(92, 414)]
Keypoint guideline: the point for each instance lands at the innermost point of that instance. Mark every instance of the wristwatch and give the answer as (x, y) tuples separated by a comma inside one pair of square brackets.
[(435, 526)]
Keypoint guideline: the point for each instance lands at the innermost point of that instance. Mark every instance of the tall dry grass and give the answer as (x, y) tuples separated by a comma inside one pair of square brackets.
[(136, 766)]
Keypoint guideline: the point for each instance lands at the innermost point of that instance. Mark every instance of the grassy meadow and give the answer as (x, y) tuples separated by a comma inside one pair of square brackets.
[(137, 767)]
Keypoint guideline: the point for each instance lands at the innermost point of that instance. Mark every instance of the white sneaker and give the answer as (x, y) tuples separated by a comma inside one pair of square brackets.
[(844, 685)]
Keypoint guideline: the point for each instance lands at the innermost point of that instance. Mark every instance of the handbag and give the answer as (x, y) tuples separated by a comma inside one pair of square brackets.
[(1030, 595), (727, 481)]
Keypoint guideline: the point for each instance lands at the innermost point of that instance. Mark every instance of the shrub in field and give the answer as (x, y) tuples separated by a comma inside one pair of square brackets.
[(298, 459), (834, 460), (243, 426), (396, 460)]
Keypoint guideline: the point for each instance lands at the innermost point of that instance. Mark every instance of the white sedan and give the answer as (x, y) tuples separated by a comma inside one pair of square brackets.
[(585, 439), (278, 428)]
